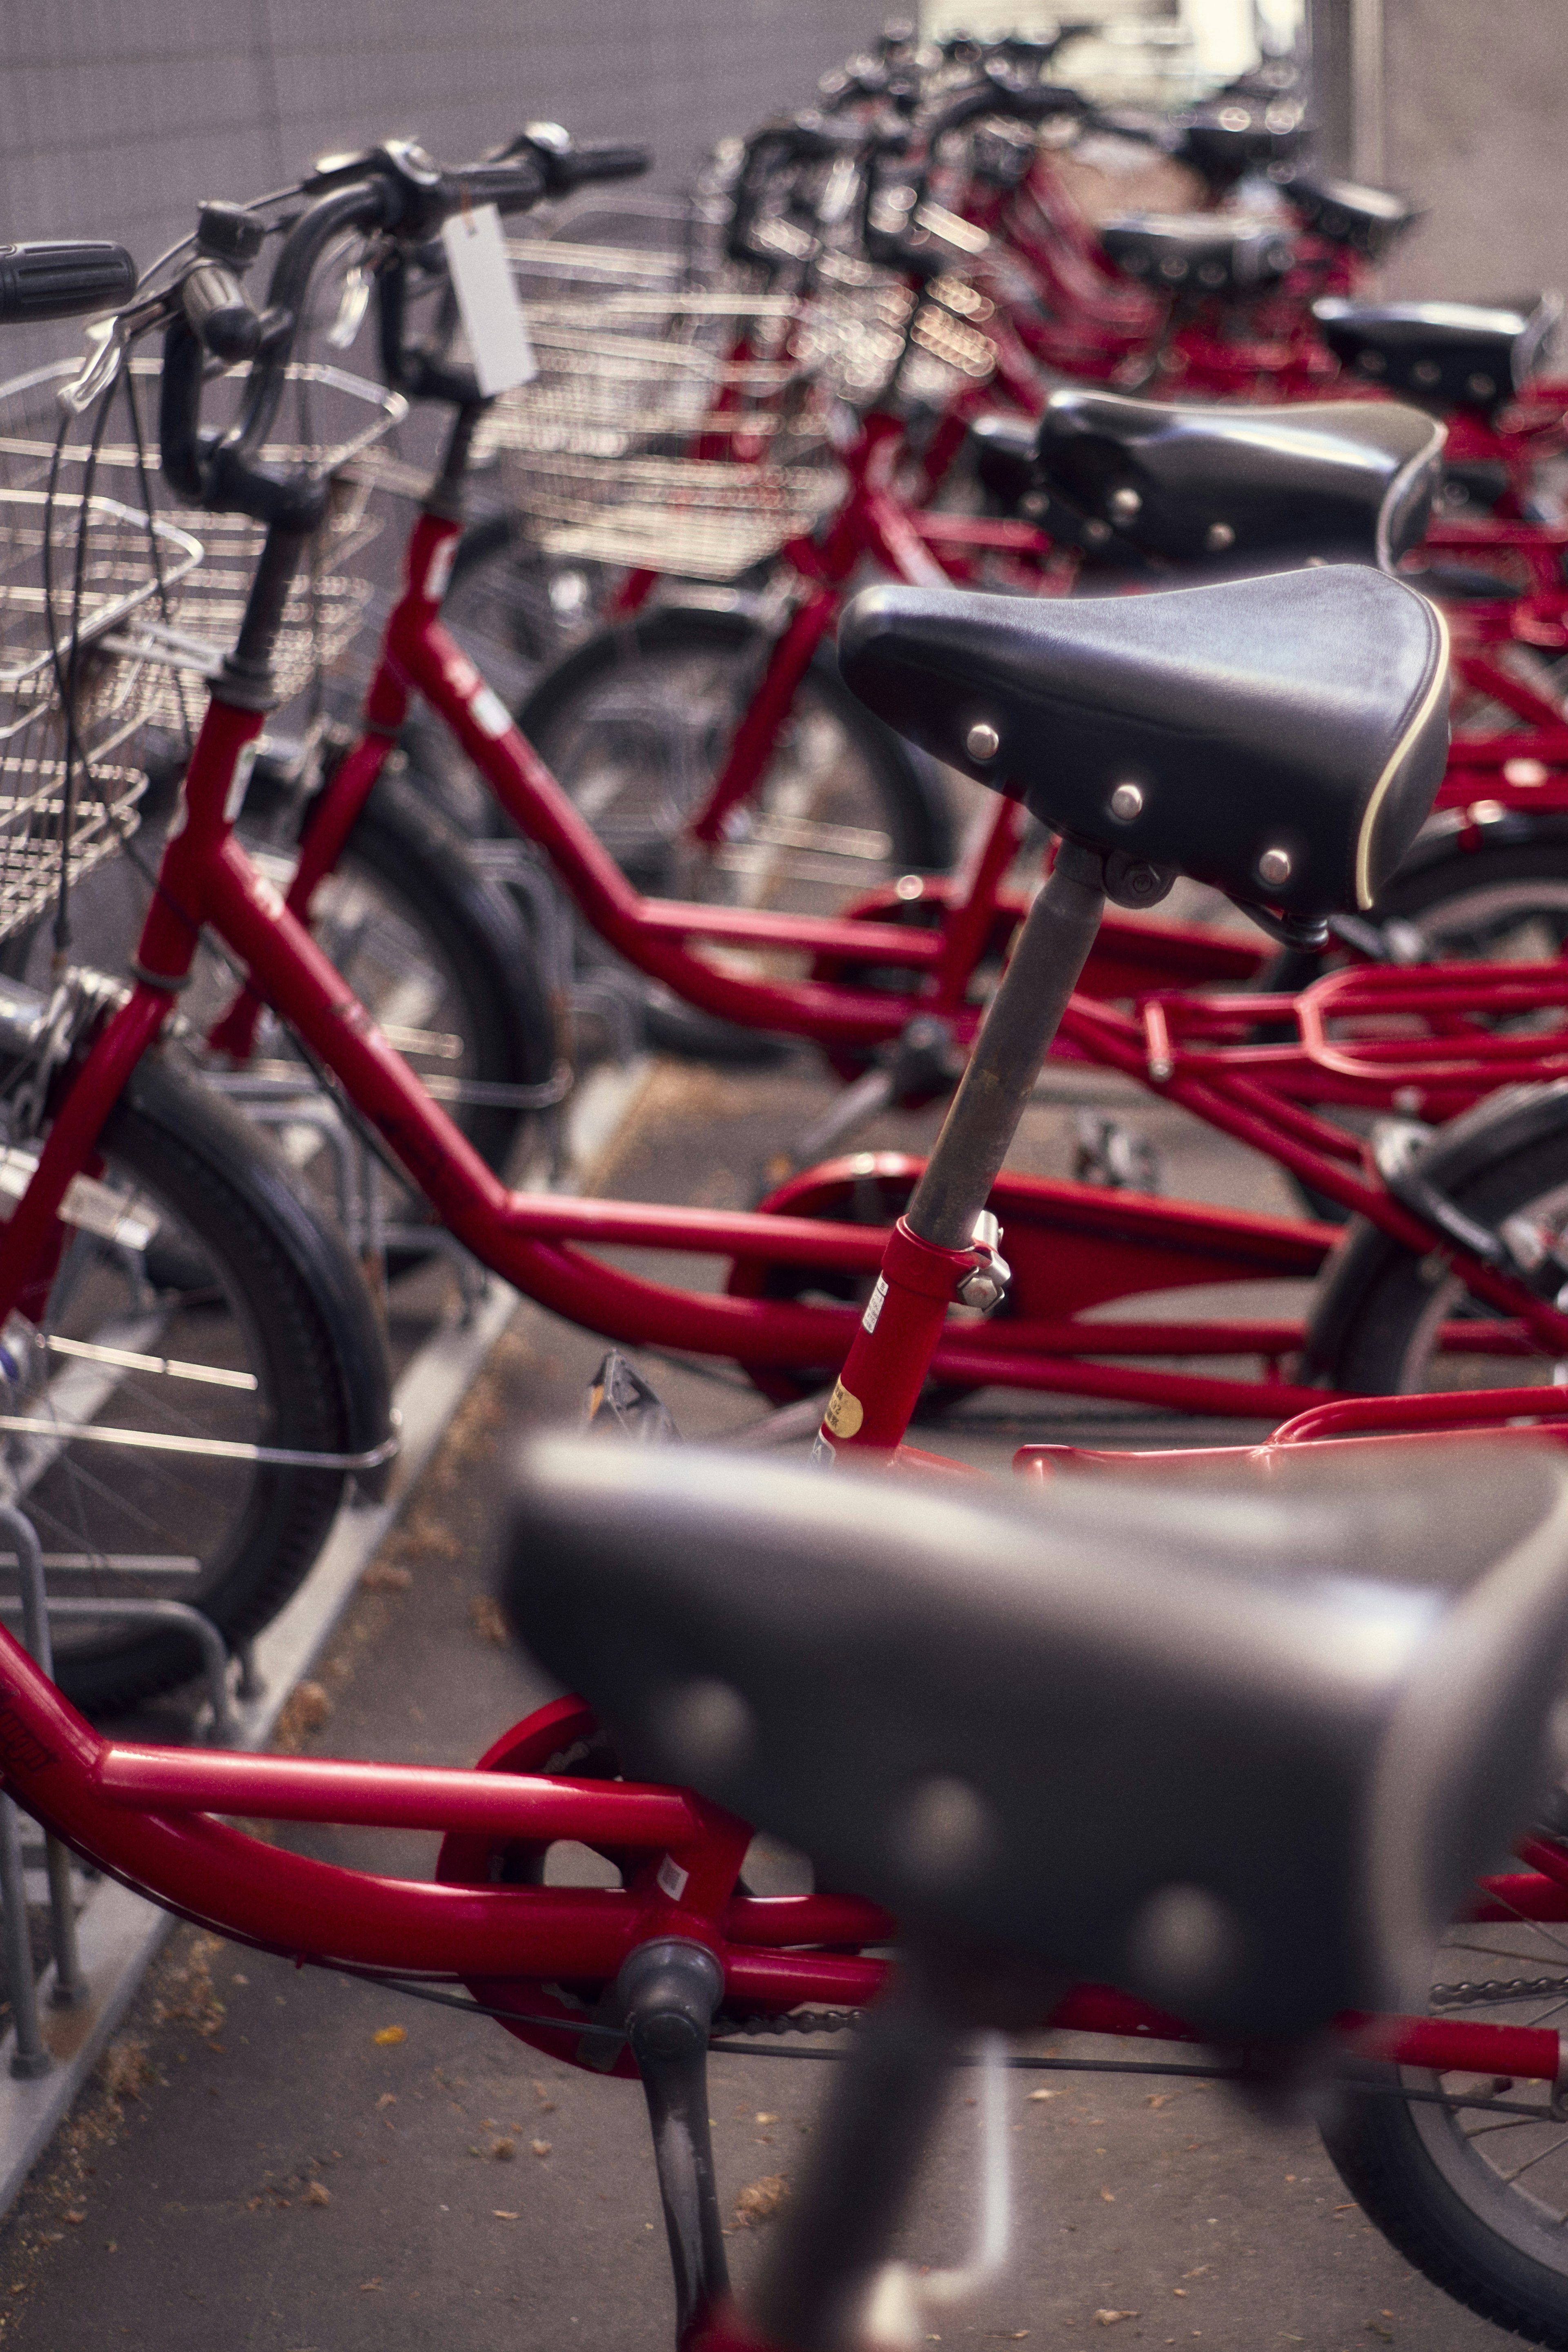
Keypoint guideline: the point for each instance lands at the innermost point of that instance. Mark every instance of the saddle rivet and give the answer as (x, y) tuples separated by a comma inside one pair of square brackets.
[(1426, 372), (1274, 867), (1481, 385), (983, 741), (1218, 537), (1126, 802), (1124, 504)]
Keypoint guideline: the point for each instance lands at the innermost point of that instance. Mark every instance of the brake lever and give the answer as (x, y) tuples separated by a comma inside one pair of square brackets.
[(107, 341)]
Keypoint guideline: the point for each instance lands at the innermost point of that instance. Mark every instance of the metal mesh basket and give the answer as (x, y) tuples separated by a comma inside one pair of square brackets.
[(326, 421), (78, 568), (672, 427)]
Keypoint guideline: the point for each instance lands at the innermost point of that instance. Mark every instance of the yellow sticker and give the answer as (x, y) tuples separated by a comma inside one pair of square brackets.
[(844, 1412)]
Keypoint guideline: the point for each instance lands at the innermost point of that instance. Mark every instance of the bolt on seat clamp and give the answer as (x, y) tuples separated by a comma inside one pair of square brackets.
[(899, 1333)]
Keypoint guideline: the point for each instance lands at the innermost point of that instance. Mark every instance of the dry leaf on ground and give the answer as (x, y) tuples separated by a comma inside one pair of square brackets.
[(489, 1622), (306, 1708), (760, 2199), (386, 1576), (317, 2193), (386, 2036), (1109, 2319)]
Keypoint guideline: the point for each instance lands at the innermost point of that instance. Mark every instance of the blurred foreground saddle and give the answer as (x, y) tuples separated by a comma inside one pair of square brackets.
[(1235, 1748)]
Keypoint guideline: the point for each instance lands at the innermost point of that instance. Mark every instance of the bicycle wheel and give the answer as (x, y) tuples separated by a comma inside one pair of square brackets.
[(199, 1298), (1507, 904), (442, 960), (636, 723), (1379, 1324), (1500, 903), (1475, 2197)]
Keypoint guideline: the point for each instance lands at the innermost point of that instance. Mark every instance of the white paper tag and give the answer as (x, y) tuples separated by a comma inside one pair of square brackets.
[(492, 315)]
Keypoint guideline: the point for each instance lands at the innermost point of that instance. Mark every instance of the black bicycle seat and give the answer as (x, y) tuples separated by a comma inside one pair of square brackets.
[(1447, 354), (1238, 1748), (1367, 220), (1280, 737), (1197, 253), (1341, 482), (1005, 456), (1243, 134)]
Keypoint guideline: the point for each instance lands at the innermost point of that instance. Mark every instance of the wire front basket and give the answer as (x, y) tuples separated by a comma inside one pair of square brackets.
[(329, 421), (672, 427), (77, 569)]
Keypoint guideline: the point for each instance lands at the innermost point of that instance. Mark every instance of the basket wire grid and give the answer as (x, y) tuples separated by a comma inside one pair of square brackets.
[(329, 420), (77, 567), (671, 426), (685, 428)]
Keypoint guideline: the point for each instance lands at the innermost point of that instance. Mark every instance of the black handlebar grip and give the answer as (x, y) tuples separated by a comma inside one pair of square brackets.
[(220, 317), (606, 160), (63, 280), (512, 187)]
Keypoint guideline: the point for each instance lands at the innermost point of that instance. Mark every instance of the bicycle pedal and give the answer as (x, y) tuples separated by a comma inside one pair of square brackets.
[(1116, 1156), (622, 1404)]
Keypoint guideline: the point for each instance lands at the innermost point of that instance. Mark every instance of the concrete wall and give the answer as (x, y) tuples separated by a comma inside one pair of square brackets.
[(1476, 125), (119, 114)]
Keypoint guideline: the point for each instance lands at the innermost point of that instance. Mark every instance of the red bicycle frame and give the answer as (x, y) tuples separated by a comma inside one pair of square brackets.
[(1125, 1245)]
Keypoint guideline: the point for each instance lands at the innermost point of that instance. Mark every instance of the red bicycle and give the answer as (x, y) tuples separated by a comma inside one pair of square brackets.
[(1332, 1920), (796, 1281)]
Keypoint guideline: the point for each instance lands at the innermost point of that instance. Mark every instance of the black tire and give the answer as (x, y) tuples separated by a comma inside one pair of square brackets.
[(1430, 2174), (1503, 901), (479, 946), (238, 1276), (655, 700), (1377, 1329)]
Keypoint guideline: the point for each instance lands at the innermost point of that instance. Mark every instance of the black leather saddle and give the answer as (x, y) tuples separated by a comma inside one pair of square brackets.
[(1280, 737), (1235, 1748), (1004, 450), (1197, 253), (1242, 134), (1445, 354), (1366, 220), (1339, 481)]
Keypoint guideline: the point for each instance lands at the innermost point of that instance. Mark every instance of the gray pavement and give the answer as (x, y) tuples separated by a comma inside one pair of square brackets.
[(257, 2169)]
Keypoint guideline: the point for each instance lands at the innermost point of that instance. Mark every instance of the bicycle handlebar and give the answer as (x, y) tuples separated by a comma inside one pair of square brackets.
[(63, 280), (568, 166), (396, 188)]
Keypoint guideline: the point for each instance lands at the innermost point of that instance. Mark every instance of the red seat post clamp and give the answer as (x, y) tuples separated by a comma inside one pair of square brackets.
[(876, 1392)]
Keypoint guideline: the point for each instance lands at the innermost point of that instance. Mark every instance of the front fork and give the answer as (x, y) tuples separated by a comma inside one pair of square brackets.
[(32, 1239)]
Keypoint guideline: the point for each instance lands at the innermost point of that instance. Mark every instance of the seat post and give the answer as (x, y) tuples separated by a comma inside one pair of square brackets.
[(928, 1252), (1022, 1020)]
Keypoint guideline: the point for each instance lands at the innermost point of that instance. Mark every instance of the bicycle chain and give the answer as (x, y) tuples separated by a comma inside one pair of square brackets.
[(797, 2021), (1462, 1996)]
